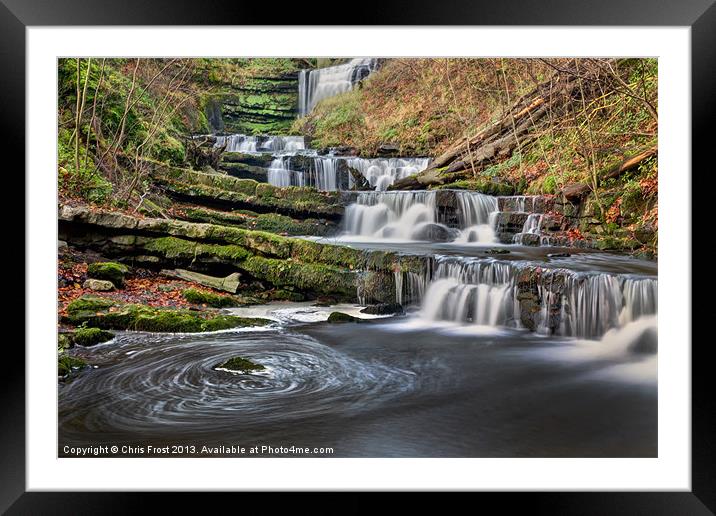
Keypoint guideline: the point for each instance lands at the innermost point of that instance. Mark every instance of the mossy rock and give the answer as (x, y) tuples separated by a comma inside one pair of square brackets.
[(91, 336), (286, 295), (89, 304), (151, 319), (340, 317), (202, 297), (111, 271), (67, 364), (239, 365)]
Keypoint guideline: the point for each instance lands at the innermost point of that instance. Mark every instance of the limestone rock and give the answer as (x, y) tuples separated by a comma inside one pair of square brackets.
[(98, 285)]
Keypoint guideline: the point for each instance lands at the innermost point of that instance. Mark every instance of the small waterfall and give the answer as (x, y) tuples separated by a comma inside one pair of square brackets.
[(383, 172), (489, 292), (280, 173), (390, 214), (476, 214), (322, 175), (532, 226), (260, 143), (409, 287), (321, 83)]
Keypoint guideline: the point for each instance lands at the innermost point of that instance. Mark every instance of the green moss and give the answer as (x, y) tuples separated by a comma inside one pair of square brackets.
[(286, 295), (239, 365), (89, 304), (67, 364), (91, 336), (202, 297), (111, 271), (340, 317), (307, 277), (145, 318)]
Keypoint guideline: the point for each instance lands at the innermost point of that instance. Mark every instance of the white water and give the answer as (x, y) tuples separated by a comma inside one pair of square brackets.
[(485, 292), (330, 173), (383, 172), (413, 215), (396, 215), (260, 143), (321, 83), (532, 226)]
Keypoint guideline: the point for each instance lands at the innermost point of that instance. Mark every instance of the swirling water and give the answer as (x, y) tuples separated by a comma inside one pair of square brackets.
[(390, 387)]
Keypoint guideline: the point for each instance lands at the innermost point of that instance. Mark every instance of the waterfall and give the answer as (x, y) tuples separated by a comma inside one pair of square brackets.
[(383, 172), (390, 214), (321, 176), (476, 214), (321, 83), (532, 226), (260, 143), (489, 292)]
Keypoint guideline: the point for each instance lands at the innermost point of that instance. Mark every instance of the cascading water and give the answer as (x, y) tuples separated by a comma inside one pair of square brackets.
[(260, 143), (383, 172), (322, 175), (532, 226), (489, 292), (476, 213), (321, 83), (413, 215), (390, 214)]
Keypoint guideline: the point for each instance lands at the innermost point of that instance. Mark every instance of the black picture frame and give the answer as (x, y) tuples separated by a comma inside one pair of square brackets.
[(699, 15)]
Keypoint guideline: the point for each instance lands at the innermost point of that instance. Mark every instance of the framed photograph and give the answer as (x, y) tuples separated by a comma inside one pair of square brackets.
[(424, 255)]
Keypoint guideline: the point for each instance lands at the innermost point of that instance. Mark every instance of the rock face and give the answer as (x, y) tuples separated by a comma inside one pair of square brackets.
[(304, 267), (258, 105), (220, 190), (98, 285), (383, 309)]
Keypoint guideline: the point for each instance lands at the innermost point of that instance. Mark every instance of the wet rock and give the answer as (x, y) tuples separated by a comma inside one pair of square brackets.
[(91, 336), (530, 239), (558, 255), (239, 365), (497, 251), (98, 285), (383, 309), (433, 233), (340, 317)]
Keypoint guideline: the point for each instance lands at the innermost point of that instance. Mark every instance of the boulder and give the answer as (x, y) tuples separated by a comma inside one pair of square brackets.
[(228, 284), (340, 317), (98, 285), (432, 232), (383, 309), (111, 271)]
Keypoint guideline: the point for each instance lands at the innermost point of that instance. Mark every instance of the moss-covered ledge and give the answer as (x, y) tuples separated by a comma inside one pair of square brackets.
[(222, 189), (316, 269), (108, 314), (253, 242)]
